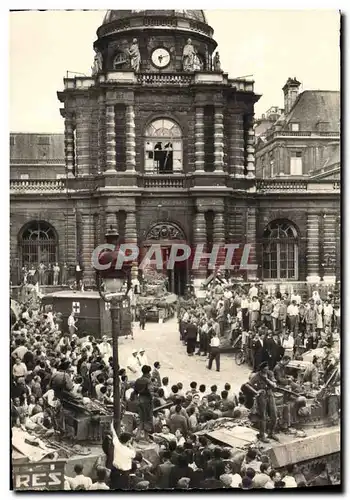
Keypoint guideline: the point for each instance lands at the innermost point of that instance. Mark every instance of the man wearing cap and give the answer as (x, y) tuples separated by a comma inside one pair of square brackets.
[(142, 358), (133, 365), (263, 381), (105, 349), (144, 389)]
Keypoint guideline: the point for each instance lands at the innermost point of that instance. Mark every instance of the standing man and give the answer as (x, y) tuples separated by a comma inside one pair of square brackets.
[(263, 382), (293, 316), (191, 336), (214, 352), (142, 317), (71, 324), (144, 391)]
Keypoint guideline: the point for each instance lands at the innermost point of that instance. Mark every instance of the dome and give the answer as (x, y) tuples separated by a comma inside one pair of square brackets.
[(116, 15)]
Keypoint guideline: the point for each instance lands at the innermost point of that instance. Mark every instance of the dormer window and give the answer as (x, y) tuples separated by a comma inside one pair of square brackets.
[(295, 127)]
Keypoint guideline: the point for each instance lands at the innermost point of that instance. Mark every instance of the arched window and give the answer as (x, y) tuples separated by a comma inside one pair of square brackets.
[(163, 147), (280, 251), (38, 243)]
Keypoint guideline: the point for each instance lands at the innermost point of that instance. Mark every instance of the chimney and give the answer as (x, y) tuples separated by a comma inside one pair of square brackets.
[(291, 91)]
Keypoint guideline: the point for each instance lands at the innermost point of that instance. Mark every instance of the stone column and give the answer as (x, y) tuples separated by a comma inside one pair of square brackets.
[(251, 240), (219, 237), (131, 238), (236, 159), (312, 254), (82, 144), (69, 145), (101, 162), (130, 139), (110, 141), (329, 247), (219, 139), (200, 238), (250, 149), (199, 140)]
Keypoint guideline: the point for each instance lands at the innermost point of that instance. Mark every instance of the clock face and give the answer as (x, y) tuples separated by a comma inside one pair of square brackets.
[(160, 58)]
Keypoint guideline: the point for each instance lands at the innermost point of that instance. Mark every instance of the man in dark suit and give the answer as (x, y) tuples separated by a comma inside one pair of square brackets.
[(257, 347), (191, 337)]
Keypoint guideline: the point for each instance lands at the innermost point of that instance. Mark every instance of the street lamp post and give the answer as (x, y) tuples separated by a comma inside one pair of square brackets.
[(114, 289)]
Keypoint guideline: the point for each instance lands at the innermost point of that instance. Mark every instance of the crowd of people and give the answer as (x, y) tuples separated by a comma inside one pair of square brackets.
[(51, 363), (267, 326)]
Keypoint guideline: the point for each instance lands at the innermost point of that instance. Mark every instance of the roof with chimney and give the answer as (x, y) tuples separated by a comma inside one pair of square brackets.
[(315, 110)]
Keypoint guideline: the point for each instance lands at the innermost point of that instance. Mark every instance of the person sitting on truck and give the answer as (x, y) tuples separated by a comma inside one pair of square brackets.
[(312, 372)]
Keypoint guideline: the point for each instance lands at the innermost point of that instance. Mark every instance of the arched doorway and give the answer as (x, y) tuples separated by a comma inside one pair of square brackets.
[(38, 243), (167, 234)]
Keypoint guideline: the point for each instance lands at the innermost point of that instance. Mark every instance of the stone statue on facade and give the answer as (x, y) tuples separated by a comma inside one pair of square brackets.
[(190, 59), (135, 57), (97, 66), (217, 62), (56, 273)]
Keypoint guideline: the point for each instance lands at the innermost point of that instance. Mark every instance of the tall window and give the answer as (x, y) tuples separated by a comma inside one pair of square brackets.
[(163, 147), (280, 251), (296, 163), (38, 243)]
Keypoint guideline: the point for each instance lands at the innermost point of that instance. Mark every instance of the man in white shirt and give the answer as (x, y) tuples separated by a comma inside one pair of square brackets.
[(100, 484), (133, 366), (142, 358), (253, 291), (295, 296), (214, 352), (105, 349), (79, 480), (293, 315), (71, 324), (254, 310), (327, 314), (123, 455)]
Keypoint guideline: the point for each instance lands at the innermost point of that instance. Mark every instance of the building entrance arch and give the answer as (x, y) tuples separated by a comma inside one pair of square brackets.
[(167, 234)]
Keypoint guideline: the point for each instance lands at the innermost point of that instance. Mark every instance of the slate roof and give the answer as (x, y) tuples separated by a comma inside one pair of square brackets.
[(313, 107)]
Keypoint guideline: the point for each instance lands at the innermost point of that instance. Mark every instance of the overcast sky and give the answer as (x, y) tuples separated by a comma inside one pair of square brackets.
[(270, 45)]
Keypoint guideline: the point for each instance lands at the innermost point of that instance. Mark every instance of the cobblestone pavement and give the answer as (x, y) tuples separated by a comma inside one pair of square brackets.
[(162, 343)]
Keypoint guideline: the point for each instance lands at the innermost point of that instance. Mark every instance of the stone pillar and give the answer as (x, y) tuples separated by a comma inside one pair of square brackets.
[(200, 238), (130, 139), (87, 237), (219, 237), (199, 139), (251, 240), (101, 134), (236, 159), (110, 141), (329, 247), (250, 149), (69, 145), (219, 139), (82, 144), (131, 238), (312, 254)]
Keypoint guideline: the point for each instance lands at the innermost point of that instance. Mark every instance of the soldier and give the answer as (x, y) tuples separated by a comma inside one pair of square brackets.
[(263, 382)]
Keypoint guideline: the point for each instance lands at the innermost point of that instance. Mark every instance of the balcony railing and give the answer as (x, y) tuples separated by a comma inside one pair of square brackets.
[(164, 79), (297, 185), (301, 133), (163, 182), (271, 185), (37, 186)]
